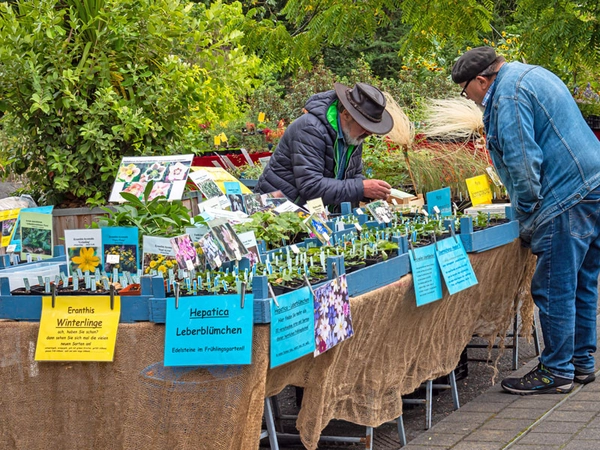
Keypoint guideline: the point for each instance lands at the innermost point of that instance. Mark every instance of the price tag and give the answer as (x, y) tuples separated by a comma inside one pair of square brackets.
[(359, 211), (112, 259), (11, 248), (189, 264), (295, 248)]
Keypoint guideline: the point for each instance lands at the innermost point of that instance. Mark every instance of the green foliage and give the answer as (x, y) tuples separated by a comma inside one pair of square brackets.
[(156, 217), (275, 230), (83, 84)]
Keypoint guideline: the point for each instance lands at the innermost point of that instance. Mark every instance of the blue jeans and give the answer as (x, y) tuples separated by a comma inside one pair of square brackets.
[(565, 286)]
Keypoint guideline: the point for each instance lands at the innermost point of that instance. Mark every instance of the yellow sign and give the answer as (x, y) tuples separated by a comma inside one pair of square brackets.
[(217, 140), (261, 117), (8, 220), (479, 190), (78, 328), (220, 175)]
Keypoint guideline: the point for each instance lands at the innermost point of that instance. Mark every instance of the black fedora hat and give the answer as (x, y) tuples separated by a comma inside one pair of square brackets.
[(366, 105)]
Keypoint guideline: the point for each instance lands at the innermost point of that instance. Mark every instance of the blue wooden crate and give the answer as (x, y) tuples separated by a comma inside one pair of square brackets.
[(29, 307), (378, 275), (157, 305), (496, 236)]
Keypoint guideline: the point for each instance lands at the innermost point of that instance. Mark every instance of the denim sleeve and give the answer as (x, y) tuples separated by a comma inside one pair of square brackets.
[(308, 162), (521, 154)]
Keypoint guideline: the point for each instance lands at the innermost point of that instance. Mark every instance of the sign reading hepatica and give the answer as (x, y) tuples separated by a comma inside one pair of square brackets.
[(208, 330), (455, 265)]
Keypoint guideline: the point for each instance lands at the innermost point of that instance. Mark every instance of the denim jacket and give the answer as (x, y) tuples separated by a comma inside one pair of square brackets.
[(545, 153)]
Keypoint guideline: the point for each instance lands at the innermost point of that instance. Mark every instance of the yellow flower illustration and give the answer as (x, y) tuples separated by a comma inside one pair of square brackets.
[(87, 260)]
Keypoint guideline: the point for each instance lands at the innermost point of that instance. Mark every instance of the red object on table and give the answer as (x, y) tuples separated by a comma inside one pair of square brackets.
[(597, 133), (236, 159)]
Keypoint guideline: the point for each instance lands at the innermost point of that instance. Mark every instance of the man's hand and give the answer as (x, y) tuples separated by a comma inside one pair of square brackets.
[(376, 189)]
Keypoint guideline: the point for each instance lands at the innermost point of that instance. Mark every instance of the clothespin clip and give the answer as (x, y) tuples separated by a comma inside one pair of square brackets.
[(412, 249), (53, 295), (242, 294), (112, 297), (308, 284), (273, 294), (452, 233)]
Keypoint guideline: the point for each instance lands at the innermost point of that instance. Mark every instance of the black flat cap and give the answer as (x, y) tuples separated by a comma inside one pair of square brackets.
[(472, 63)]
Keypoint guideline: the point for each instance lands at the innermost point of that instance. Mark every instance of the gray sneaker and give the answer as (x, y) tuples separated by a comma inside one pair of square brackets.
[(583, 378)]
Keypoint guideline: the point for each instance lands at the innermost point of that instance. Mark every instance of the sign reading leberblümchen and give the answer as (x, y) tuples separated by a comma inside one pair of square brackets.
[(208, 330)]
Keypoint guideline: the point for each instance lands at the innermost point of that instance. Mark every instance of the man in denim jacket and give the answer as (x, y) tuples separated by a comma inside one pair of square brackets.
[(549, 160)]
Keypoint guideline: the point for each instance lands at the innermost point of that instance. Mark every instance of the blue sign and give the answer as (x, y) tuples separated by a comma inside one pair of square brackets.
[(292, 326), (455, 265), (440, 198), (232, 187), (426, 274), (208, 330)]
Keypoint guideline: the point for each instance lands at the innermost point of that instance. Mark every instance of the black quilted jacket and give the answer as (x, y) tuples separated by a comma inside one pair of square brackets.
[(302, 166)]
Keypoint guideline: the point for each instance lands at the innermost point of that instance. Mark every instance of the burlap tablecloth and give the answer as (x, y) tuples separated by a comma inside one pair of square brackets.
[(136, 403)]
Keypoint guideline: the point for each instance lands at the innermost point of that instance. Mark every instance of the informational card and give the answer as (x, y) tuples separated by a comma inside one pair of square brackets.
[(8, 222), (36, 235), (231, 243), (78, 328), (16, 237), (249, 240), (479, 190), (426, 274), (253, 203), (220, 175), (333, 320), (159, 256), (232, 187), (208, 330), (83, 249), (185, 253), (316, 206), (120, 249), (292, 326), (168, 173), (455, 265), (440, 198), (381, 211)]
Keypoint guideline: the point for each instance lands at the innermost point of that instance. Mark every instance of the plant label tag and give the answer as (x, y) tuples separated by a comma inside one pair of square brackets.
[(359, 211), (26, 283), (425, 213), (112, 259), (39, 257), (40, 280), (247, 157), (295, 249), (28, 257), (11, 248), (189, 264), (357, 226), (436, 209)]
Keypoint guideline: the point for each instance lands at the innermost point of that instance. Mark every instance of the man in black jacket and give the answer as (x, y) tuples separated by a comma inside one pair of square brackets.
[(320, 153)]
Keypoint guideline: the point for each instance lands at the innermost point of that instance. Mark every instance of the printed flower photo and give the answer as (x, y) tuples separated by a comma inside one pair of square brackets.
[(155, 172), (84, 258), (128, 173), (7, 226), (177, 172), (155, 263), (333, 321), (159, 189), (127, 258), (185, 252)]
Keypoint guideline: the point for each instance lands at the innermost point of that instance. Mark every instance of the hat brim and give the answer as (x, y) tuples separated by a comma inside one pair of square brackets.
[(384, 126)]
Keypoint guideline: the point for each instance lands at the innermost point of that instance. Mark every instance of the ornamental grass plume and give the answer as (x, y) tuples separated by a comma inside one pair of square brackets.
[(452, 119), (403, 132)]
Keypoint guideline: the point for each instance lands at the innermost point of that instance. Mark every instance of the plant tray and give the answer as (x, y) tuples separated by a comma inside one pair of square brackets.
[(489, 238), (29, 307), (378, 275)]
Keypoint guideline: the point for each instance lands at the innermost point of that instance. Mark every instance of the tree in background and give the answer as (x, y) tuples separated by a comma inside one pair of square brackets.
[(84, 83)]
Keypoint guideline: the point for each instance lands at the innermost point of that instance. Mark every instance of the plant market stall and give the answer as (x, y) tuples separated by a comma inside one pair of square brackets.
[(136, 402)]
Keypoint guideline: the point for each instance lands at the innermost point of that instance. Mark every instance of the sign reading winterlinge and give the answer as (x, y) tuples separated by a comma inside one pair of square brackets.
[(78, 328)]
